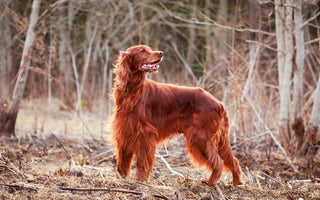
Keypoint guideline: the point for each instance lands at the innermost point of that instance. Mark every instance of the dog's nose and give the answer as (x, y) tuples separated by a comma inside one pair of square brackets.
[(160, 53)]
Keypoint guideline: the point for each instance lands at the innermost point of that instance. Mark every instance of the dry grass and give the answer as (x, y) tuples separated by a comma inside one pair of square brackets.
[(48, 163)]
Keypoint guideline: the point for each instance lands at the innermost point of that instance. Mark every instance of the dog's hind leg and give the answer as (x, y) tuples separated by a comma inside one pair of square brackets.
[(225, 152), (230, 162), (215, 162), (204, 152)]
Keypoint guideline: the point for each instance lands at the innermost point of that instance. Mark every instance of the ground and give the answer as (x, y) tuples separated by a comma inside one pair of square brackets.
[(46, 160)]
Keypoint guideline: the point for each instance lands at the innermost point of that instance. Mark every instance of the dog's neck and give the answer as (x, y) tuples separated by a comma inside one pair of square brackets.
[(128, 97), (134, 83)]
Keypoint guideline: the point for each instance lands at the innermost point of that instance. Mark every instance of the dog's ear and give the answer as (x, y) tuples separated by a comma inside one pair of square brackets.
[(124, 58), (124, 53), (122, 69)]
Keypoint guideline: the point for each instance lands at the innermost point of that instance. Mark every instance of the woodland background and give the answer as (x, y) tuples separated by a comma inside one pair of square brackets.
[(260, 57)]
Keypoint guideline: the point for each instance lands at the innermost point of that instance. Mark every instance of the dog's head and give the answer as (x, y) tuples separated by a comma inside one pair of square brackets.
[(142, 58)]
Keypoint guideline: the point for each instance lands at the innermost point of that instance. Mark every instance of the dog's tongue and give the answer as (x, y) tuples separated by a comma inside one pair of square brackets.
[(150, 67)]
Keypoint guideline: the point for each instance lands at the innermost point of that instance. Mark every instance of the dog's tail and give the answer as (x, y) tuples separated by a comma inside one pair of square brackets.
[(226, 126)]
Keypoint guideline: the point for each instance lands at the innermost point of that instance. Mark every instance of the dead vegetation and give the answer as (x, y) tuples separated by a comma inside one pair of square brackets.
[(53, 165)]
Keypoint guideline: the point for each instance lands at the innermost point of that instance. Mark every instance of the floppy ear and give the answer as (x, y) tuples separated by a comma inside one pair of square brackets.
[(122, 69), (124, 52)]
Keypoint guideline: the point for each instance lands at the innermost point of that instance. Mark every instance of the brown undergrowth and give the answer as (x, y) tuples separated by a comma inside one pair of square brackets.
[(60, 167), (49, 159)]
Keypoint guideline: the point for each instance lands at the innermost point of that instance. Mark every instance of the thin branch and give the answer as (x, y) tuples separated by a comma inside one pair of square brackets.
[(312, 41), (184, 62), (275, 180), (251, 138), (310, 19), (87, 59), (14, 168), (262, 44), (272, 135), (64, 148), (154, 189), (104, 86), (214, 23), (168, 166), (109, 190), (75, 72), (253, 56), (19, 187), (219, 192)]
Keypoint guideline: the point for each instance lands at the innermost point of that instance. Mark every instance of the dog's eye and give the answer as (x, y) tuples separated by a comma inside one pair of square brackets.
[(143, 51)]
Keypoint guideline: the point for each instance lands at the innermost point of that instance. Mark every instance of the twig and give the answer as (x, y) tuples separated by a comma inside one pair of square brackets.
[(102, 154), (312, 41), (184, 62), (103, 179), (272, 135), (64, 148), (219, 192), (310, 19), (75, 72), (87, 59), (214, 23), (258, 182), (249, 176), (104, 87), (262, 44), (168, 166), (165, 197), (253, 56), (78, 87), (15, 168), (275, 180), (303, 181), (19, 187), (250, 138), (108, 190)]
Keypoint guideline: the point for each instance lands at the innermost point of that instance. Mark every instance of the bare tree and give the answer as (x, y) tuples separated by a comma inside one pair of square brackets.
[(192, 35), (5, 52), (64, 43), (209, 48), (284, 31), (8, 119), (296, 113), (221, 43), (315, 120)]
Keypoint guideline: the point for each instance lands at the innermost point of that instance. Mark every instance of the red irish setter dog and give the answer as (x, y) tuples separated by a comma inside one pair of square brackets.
[(148, 112)]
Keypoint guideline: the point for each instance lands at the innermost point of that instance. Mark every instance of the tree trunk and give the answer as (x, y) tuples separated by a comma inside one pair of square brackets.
[(104, 87), (192, 36), (221, 33), (221, 44), (297, 120), (5, 56), (209, 45), (311, 140), (90, 37), (8, 119), (63, 56), (285, 57), (315, 120)]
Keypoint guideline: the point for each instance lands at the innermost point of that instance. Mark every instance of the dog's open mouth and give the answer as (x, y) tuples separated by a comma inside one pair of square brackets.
[(151, 67)]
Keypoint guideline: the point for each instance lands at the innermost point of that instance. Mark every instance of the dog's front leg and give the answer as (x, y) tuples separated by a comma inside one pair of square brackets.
[(124, 159), (146, 145)]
